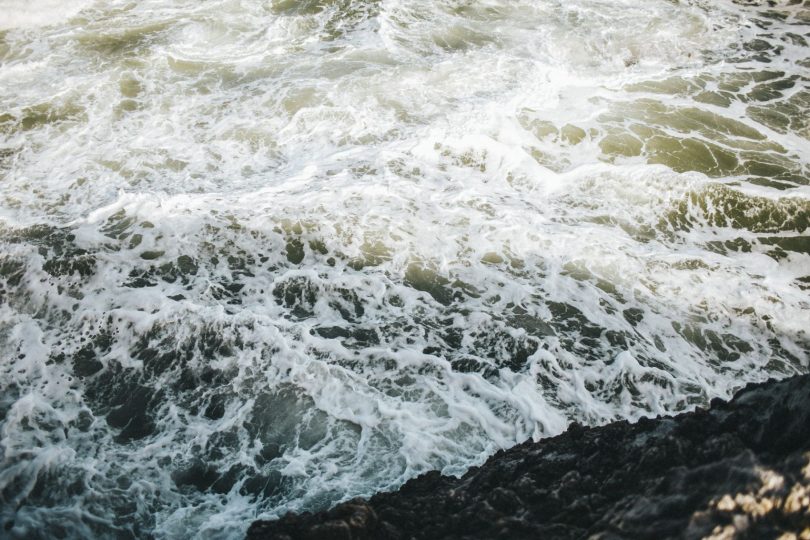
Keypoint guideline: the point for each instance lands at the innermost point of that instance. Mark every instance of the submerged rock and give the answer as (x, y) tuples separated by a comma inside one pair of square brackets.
[(737, 470)]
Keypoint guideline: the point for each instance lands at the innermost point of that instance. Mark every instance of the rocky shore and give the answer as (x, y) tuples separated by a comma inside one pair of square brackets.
[(737, 470)]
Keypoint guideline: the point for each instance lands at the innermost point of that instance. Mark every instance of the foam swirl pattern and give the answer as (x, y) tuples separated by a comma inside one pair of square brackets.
[(267, 256)]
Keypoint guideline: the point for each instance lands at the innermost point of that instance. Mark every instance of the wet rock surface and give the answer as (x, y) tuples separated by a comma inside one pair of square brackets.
[(737, 470)]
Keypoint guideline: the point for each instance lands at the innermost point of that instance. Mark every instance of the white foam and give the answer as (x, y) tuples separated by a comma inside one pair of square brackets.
[(36, 13), (414, 151)]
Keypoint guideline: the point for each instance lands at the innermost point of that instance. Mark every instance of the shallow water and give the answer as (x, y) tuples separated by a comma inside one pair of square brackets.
[(266, 256)]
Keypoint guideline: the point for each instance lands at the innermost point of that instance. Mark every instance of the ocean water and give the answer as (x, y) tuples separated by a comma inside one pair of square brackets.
[(262, 256)]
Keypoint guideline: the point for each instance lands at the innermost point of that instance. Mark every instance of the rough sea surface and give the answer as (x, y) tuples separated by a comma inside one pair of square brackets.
[(261, 256)]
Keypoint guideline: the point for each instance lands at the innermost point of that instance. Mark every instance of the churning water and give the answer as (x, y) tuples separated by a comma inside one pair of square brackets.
[(261, 256)]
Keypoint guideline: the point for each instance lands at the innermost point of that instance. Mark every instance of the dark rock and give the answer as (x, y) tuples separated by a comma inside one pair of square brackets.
[(739, 470)]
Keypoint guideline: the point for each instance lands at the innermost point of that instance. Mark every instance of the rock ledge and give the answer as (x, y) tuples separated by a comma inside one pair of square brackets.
[(737, 470)]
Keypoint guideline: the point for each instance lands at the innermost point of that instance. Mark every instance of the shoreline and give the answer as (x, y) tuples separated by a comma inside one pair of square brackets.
[(736, 470)]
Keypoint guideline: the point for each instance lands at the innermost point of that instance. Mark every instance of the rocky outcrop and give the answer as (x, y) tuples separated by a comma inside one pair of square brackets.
[(737, 470)]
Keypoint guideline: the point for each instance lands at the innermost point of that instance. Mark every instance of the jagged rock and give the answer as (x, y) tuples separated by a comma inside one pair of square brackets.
[(738, 470)]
